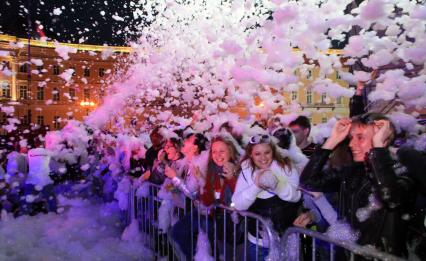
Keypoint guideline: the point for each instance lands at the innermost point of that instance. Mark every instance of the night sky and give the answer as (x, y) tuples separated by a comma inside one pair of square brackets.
[(85, 21)]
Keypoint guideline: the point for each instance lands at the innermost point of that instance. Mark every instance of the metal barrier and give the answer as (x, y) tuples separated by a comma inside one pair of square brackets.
[(351, 250), (218, 222), (227, 231)]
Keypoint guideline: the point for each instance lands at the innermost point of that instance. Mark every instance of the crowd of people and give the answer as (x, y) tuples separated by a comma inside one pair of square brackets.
[(357, 176)]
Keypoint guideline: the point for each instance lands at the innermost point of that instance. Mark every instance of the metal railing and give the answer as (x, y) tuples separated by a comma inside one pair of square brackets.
[(350, 252), (228, 232)]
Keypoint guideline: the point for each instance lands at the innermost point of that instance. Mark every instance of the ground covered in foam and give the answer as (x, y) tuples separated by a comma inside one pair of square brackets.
[(83, 231)]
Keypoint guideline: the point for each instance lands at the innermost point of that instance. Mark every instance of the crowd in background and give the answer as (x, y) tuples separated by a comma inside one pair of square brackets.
[(357, 176)]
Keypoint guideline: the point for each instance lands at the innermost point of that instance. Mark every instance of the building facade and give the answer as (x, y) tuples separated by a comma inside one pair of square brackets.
[(34, 80)]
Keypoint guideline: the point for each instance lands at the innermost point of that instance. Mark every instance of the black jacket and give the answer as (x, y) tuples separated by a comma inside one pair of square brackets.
[(384, 227)]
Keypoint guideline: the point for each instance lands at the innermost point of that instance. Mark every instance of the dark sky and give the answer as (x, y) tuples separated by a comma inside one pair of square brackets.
[(80, 19)]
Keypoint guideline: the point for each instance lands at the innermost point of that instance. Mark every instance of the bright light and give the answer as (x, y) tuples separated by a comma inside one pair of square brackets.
[(87, 103)]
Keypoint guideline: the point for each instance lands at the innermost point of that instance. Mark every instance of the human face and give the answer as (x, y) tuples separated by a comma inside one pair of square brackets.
[(301, 134), (189, 148), (361, 141), (220, 153), (171, 150), (262, 155)]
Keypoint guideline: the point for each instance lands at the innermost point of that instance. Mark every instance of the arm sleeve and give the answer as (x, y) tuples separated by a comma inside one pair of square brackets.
[(393, 190), (245, 192), (315, 178)]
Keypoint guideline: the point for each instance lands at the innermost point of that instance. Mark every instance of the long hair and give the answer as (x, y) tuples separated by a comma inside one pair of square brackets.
[(282, 162), (231, 147)]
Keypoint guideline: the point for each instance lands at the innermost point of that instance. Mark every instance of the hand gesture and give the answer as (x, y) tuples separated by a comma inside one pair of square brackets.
[(382, 133), (338, 134), (229, 170), (161, 155), (170, 172), (266, 180), (303, 220), (145, 176)]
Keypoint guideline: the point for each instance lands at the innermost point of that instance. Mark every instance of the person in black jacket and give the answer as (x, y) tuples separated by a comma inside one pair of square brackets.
[(372, 198)]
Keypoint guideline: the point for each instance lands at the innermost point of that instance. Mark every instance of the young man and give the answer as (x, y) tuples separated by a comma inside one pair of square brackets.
[(372, 198), (301, 128)]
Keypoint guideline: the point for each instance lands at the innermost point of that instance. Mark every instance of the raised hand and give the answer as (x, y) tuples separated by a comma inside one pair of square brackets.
[(229, 170), (338, 134), (382, 133), (266, 180)]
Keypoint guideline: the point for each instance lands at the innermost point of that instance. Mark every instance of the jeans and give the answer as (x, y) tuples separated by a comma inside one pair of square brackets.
[(262, 252)]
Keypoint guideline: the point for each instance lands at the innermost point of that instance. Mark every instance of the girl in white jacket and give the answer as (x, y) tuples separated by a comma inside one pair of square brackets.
[(267, 185)]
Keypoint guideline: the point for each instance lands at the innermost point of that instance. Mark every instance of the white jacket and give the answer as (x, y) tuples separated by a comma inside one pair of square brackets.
[(246, 191)]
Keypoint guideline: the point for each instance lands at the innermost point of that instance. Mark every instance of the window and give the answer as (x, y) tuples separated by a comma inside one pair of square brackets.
[(23, 92), (56, 70), (74, 71), (55, 94), (323, 97), (25, 120), (40, 69), (3, 118), (309, 75), (338, 77), (324, 119), (86, 72), (5, 89), (23, 68), (56, 122), (71, 92), (339, 100), (86, 94), (101, 92), (40, 93), (40, 120), (308, 97), (293, 95), (101, 72), (5, 65)]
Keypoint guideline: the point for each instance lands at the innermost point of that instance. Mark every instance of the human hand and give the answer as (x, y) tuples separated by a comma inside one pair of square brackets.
[(266, 180), (338, 134), (145, 176), (229, 170), (303, 220), (382, 133), (170, 172), (161, 155)]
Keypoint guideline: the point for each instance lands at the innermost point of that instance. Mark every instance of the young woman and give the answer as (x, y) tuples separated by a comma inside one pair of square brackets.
[(267, 185), (219, 185)]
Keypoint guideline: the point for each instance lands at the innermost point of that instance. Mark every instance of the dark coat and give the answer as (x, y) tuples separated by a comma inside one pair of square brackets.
[(384, 227)]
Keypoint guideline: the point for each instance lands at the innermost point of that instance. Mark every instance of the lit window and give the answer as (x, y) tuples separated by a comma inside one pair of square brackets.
[(294, 95)]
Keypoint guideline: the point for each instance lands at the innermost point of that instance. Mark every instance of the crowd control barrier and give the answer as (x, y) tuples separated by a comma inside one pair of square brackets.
[(227, 232)]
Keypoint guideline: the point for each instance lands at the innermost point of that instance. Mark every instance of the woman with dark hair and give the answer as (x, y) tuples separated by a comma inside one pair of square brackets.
[(372, 198), (168, 156), (267, 185)]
